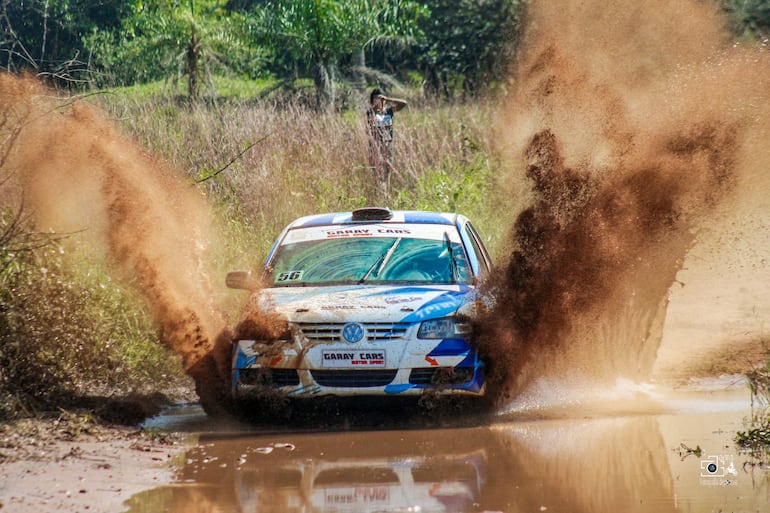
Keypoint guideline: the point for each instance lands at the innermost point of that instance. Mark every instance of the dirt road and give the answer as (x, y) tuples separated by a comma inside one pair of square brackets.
[(71, 464)]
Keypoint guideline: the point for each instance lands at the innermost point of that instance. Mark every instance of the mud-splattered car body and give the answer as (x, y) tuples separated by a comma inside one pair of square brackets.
[(376, 303)]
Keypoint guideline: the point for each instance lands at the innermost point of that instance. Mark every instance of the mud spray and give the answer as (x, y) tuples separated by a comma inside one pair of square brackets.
[(77, 174), (637, 124)]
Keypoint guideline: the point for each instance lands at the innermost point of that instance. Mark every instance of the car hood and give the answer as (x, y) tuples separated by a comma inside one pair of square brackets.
[(374, 303)]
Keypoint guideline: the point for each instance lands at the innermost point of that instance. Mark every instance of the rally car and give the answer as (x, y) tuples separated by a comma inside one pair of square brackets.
[(375, 303)]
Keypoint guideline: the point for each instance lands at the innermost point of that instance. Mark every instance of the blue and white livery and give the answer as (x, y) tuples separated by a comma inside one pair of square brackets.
[(375, 302)]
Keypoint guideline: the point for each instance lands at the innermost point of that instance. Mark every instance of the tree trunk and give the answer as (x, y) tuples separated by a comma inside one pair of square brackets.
[(324, 86), (359, 63), (193, 57), (41, 65)]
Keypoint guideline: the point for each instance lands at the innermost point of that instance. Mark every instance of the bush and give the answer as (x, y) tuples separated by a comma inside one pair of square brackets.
[(756, 438), (68, 333)]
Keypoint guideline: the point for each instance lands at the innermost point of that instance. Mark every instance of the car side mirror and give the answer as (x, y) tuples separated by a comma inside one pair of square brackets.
[(241, 280)]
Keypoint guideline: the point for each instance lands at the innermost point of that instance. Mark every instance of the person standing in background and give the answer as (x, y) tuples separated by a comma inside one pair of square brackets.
[(379, 119)]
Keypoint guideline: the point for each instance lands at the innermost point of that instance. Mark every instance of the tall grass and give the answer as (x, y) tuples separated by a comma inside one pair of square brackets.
[(262, 165)]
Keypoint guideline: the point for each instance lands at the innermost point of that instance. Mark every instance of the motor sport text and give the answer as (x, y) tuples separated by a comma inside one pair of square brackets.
[(347, 359)]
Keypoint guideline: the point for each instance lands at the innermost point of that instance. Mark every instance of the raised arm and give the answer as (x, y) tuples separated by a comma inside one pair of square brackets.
[(396, 103)]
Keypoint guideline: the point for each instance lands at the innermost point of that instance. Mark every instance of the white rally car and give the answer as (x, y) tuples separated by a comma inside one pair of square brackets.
[(376, 303)]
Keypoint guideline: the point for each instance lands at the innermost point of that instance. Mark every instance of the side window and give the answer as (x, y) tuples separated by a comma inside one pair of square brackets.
[(478, 249)]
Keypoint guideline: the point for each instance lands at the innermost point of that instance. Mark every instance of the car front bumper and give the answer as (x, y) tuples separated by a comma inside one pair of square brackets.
[(406, 368)]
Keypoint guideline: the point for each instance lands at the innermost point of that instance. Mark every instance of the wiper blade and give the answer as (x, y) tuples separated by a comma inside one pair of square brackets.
[(380, 263), (452, 259)]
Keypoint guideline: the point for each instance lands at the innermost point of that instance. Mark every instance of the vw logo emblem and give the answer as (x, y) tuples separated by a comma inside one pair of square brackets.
[(353, 332)]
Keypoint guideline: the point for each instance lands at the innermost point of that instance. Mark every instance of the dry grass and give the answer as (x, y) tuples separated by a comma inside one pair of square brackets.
[(297, 162)]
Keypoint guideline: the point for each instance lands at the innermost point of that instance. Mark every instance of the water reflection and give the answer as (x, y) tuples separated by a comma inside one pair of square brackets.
[(623, 464), (366, 483)]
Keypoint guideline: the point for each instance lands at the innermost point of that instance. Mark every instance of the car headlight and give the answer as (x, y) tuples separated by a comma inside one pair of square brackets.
[(445, 327)]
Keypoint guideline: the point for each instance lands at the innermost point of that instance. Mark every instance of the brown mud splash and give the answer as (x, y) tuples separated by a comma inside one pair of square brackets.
[(78, 175), (635, 124)]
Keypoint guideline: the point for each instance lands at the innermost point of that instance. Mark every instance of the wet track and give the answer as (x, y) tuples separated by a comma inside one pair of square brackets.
[(631, 455)]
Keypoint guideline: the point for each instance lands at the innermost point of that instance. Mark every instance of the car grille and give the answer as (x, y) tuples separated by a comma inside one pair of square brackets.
[(441, 375), (332, 332), (269, 377), (354, 378)]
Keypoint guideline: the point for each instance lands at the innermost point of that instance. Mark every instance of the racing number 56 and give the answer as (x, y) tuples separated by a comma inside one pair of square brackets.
[(290, 276)]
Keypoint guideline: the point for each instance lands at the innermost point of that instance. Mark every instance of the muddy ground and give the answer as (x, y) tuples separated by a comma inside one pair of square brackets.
[(71, 462)]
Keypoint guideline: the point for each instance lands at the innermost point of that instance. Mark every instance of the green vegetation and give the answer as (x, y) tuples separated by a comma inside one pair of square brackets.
[(78, 44), (318, 35), (750, 18), (449, 63), (756, 438), (84, 44)]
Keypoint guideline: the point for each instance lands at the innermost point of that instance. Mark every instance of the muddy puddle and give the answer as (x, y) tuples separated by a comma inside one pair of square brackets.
[(626, 454)]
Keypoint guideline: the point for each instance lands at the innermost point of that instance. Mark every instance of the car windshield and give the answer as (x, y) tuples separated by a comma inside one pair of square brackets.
[(359, 260)]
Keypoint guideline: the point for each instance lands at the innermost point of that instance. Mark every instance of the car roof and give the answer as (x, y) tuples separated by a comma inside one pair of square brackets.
[(376, 215)]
